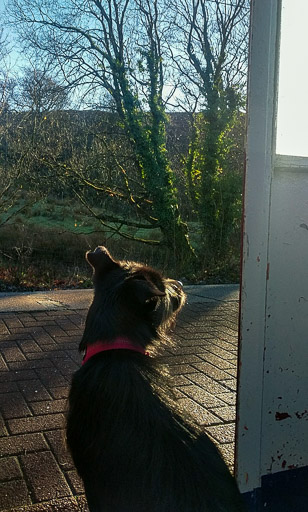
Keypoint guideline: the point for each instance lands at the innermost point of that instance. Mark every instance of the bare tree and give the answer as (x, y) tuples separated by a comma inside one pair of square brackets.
[(38, 91), (22, 99), (213, 39), (9, 175)]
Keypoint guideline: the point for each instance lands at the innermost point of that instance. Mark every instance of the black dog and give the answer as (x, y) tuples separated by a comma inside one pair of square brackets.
[(133, 448)]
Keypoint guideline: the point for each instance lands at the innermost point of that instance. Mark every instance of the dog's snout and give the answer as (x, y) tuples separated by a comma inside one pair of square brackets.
[(177, 286), (175, 283), (176, 294)]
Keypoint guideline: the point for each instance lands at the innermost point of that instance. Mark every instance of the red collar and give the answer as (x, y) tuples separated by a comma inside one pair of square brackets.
[(118, 343)]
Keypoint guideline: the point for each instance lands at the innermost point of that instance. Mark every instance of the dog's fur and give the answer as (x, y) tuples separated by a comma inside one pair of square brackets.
[(133, 448)]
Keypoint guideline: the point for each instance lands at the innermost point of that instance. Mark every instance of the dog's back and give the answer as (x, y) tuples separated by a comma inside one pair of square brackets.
[(133, 448)]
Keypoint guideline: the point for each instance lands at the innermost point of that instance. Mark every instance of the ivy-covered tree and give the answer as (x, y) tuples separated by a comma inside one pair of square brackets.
[(116, 47), (212, 71)]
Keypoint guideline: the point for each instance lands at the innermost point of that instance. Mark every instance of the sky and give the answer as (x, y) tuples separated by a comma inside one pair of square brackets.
[(292, 118), (14, 57), (292, 114)]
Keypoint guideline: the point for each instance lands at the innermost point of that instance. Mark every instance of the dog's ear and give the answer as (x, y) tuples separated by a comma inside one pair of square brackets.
[(145, 290), (100, 259)]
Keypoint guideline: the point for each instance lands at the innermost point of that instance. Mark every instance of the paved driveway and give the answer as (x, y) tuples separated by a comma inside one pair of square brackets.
[(39, 334)]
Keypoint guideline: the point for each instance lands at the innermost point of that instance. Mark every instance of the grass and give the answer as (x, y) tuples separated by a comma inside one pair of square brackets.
[(74, 218), (43, 247)]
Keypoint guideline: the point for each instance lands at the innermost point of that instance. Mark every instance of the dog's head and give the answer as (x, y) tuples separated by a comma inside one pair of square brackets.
[(130, 299)]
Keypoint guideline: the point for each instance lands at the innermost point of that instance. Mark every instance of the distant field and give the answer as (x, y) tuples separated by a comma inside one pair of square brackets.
[(43, 247), (72, 217)]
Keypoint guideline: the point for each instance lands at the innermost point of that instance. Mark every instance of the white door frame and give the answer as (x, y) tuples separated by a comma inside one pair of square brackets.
[(270, 435)]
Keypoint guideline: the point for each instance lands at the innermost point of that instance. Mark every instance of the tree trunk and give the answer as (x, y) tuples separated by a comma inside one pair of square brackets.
[(149, 148)]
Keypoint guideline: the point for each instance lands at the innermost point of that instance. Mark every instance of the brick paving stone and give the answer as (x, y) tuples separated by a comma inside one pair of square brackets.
[(74, 355), (38, 315), (14, 337), (34, 390), (74, 336), (222, 433), (199, 413), (31, 322), (8, 387), (25, 317), (12, 322), (201, 396), (42, 337), (44, 322), (32, 363), (225, 413), (177, 393), (3, 430), (193, 349), (227, 346), (9, 469), (227, 355), (232, 340), (206, 383), (59, 392), (66, 324), (56, 439), (231, 384), (181, 359), (13, 405), (55, 331), (211, 370), (40, 357), (227, 451), (68, 504), (48, 407), (189, 339), (229, 398), (17, 375), (13, 494), (44, 476), (15, 445), (181, 369), (29, 346), (217, 361), (51, 377), (3, 365), (3, 328), (13, 354), (20, 332), (227, 331), (67, 343), (192, 330), (232, 372), (180, 380), (75, 481), (36, 423), (65, 365), (52, 350)]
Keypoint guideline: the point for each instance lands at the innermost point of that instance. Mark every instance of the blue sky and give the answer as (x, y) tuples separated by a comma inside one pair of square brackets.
[(15, 57)]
